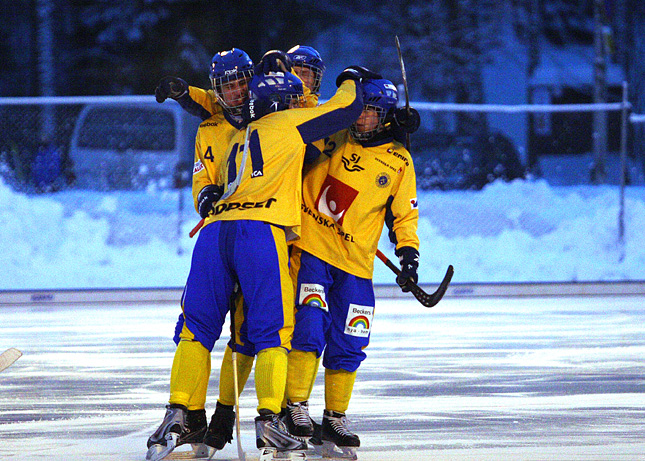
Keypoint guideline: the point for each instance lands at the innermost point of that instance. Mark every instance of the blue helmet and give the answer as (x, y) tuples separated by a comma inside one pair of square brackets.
[(280, 87), (380, 96), (230, 73), (305, 57)]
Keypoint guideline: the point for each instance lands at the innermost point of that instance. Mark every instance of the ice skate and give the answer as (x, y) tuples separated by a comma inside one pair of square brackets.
[(337, 440), (166, 437), (297, 419), (193, 434), (195, 427), (220, 430), (274, 441)]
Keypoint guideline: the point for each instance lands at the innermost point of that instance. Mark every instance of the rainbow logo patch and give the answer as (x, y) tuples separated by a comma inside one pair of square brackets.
[(359, 320), (312, 294), (314, 300)]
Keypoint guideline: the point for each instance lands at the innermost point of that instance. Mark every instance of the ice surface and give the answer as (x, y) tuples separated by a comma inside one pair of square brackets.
[(558, 378)]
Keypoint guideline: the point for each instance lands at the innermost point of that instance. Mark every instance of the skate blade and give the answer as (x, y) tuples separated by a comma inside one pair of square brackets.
[(158, 452), (198, 451), (271, 454), (331, 450)]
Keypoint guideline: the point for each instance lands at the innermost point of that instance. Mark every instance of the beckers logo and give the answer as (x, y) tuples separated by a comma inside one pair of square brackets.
[(312, 294), (359, 320), (335, 198)]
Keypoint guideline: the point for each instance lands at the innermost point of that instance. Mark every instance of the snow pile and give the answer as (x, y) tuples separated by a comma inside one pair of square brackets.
[(524, 231)]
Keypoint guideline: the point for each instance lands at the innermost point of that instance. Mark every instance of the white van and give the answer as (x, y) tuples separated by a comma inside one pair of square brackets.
[(118, 144)]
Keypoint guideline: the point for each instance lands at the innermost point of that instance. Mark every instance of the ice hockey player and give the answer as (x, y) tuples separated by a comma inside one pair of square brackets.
[(306, 64), (309, 66), (230, 74), (367, 181), (244, 240)]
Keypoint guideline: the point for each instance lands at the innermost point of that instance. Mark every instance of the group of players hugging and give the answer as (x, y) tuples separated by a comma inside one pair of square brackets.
[(293, 197)]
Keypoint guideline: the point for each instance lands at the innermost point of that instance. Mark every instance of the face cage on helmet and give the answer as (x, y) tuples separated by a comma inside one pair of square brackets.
[(295, 100), (318, 73), (219, 94), (366, 135)]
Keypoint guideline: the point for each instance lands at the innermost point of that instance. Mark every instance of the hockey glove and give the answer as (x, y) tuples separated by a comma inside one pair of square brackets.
[(409, 259), (357, 73), (273, 61), (207, 196), (408, 122), (170, 87), (255, 109)]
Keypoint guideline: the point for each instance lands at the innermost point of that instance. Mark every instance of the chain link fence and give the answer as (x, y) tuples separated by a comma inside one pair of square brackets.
[(98, 143), (126, 161)]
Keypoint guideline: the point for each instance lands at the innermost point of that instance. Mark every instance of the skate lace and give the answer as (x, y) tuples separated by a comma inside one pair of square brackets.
[(340, 425), (299, 413)]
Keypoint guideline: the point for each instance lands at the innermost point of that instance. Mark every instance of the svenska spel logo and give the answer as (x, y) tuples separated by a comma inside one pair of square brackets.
[(335, 198)]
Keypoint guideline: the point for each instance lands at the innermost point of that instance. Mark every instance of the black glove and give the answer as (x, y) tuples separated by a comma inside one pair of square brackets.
[(357, 73), (207, 196), (255, 109), (273, 61), (409, 259), (170, 87), (408, 122)]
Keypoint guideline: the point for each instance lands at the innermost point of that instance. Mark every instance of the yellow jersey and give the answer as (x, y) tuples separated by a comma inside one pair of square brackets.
[(347, 193), (262, 176), (214, 135), (211, 142)]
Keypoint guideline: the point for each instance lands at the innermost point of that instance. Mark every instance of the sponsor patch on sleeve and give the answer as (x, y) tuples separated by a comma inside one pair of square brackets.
[(359, 320), (313, 294), (199, 166), (414, 204)]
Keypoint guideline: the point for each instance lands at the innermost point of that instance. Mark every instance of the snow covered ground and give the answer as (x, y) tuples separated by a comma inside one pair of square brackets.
[(525, 231), (557, 378)]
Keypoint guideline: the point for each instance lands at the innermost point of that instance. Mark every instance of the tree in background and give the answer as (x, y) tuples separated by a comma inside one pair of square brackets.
[(143, 41), (125, 47), (444, 44)]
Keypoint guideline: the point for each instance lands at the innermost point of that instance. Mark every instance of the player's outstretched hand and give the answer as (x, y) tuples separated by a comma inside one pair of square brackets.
[(273, 61), (357, 73), (170, 87)]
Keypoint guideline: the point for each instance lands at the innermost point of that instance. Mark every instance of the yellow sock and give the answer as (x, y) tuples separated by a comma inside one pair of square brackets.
[(338, 389), (198, 400), (226, 382), (301, 374), (190, 372), (271, 378)]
